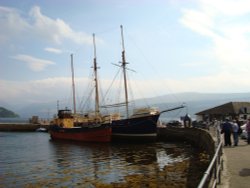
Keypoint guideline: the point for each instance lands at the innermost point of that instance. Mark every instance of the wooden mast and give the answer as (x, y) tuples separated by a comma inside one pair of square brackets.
[(97, 110), (124, 72), (73, 84)]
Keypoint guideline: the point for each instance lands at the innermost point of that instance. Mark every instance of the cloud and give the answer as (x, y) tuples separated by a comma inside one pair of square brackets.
[(33, 63), (59, 88), (199, 22), (53, 50), (226, 7), (223, 82), (12, 24), (32, 91), (39, 91), (15, 24), (57, 29), (225, 24)]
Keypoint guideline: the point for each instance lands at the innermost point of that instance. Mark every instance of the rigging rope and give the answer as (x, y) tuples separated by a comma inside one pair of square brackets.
[(90, 88), (108, 90), (152, 67)]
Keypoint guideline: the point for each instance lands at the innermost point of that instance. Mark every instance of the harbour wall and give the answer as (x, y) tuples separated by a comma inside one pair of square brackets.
[(199, 138), (19, 127)]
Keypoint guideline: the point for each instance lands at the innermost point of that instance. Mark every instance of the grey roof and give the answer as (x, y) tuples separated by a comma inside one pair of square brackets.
[(228, 108)]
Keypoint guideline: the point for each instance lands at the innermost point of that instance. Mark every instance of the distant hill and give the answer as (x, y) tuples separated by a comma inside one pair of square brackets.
[(5, 113), (194, 102)]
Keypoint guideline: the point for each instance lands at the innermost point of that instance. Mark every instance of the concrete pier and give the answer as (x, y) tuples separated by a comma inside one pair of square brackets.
[(236, 171), (19, 127)]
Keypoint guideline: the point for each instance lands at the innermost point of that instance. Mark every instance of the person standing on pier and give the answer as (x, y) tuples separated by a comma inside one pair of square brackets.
[(227, 129), (248, 131), (235, 132)]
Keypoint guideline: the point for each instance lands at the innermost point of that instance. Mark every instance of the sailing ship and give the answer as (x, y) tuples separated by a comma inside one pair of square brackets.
[(77, 127), (142, 124)]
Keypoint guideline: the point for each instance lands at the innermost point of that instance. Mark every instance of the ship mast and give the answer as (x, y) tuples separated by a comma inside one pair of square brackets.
[(73, 84), (124, 72), (97, 110)]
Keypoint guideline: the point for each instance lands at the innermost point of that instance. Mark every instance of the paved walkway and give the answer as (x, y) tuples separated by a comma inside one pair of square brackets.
[(236, 173)]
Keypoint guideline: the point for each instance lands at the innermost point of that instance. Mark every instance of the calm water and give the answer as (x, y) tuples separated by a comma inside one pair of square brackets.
[(33, 160)]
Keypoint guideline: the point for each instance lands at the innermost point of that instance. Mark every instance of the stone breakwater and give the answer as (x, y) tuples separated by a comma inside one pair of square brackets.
[(19, 127), (198, 138)]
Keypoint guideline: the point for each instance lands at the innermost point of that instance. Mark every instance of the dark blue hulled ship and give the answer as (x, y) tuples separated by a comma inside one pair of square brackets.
[(142, 124)]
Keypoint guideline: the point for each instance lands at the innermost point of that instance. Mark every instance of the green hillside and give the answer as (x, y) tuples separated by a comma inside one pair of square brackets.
[(4, 113)]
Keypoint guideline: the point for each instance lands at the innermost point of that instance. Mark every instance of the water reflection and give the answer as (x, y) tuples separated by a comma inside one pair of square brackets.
[(41, 162), (110, 163)]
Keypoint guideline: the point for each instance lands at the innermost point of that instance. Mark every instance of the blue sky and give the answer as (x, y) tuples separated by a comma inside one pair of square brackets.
[(174, 46)]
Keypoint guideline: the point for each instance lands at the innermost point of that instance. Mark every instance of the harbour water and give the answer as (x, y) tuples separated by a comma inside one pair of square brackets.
[(33, 160)]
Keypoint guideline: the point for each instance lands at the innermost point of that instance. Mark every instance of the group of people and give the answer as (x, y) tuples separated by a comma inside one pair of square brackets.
[(234, 128)]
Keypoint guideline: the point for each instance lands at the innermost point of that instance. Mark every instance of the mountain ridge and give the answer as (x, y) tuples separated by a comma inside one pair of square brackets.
[(5, 113), (194, 102)]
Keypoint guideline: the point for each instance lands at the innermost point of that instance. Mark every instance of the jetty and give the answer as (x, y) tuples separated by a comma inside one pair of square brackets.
[(231, 164), (19, 127), (31, 125), (236, 172)]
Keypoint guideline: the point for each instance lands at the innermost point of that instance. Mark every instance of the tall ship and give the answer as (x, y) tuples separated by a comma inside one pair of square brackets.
[(92, 127), (133, 125), (141, 124)]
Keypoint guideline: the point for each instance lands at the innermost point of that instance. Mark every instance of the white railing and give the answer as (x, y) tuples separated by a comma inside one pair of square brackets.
[(212, 176)]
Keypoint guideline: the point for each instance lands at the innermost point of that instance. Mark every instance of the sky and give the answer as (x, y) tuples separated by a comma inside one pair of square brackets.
[(172, 46)]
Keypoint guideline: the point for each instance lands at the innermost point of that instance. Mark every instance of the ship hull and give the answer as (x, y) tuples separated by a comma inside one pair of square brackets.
[(135, 129), (100, 133)]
